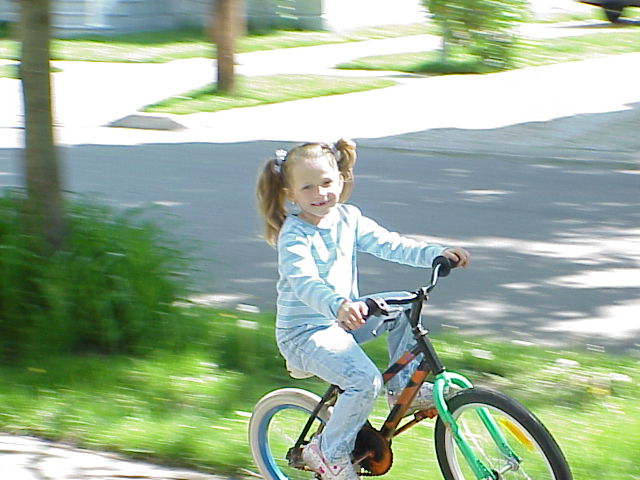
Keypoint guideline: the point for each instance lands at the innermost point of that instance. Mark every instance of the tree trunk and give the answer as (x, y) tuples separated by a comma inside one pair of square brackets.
[(446, 34), (241, 23), (44, 206), (224, 32)]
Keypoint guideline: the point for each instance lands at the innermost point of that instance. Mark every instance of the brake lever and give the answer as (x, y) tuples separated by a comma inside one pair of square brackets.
[(377, 308)]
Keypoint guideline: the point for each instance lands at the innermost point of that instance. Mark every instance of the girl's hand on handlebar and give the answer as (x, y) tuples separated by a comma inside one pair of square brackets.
[(458, 255), (351, 315)]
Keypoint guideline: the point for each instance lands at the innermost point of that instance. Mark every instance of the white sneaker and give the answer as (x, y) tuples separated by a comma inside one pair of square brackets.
[(340, 470), (423, 400)]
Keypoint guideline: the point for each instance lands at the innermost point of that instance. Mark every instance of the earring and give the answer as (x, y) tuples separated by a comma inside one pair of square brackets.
[(292, 207)]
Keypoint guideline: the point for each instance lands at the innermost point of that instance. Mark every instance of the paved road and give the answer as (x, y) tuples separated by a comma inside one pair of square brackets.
[(553, 225), (549, 210)]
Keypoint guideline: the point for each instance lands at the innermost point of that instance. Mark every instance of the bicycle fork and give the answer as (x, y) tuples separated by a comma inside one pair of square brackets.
[(479, 469), (444, 379)]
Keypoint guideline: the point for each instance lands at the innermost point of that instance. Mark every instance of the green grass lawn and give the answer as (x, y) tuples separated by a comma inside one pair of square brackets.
[(191, 408), (155, 47), (166, 46), (280, 88), (252, 91), (531, 53), (9, 71), (13, 71)]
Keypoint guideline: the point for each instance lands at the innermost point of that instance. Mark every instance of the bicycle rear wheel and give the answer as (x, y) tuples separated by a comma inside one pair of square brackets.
[(276, 422), (540, 456)]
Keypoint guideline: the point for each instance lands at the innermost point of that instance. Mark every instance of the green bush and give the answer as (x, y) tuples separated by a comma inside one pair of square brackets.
[(483, 28), (5, 29), (111, 289), (245, 342)]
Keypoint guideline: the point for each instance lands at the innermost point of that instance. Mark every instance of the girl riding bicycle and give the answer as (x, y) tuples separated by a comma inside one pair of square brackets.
[(320, 322)]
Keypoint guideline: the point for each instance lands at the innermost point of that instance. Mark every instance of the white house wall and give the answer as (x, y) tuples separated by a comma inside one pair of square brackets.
[(73, 17), (346, 14)]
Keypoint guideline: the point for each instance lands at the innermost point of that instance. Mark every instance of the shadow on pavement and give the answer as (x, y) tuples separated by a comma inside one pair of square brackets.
[(549, 211)]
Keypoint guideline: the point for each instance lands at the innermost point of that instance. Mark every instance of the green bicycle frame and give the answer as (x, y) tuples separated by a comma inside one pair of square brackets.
[(479, 469)]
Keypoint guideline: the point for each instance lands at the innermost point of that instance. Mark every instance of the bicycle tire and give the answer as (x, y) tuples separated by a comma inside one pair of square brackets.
[(541, 456), (276, 422)]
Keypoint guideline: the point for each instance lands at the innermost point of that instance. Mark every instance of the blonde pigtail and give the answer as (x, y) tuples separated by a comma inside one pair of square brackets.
[(346, 160), (270, 193)]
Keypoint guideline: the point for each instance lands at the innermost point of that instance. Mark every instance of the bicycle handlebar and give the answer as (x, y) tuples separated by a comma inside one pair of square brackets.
[(377, 307), (445, 265), (441, 268)]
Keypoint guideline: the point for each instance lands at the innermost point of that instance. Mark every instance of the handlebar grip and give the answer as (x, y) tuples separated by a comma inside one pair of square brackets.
[(445, 265), (377, 306)]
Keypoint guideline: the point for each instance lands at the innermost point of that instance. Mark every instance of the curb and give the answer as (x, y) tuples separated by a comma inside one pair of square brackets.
[(145, 121)]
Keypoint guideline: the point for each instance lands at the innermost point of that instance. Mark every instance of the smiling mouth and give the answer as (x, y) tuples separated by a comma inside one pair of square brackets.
[(319, 204)]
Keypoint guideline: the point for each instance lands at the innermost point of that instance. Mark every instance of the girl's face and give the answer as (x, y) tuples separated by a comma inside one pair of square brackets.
[(315, 185)]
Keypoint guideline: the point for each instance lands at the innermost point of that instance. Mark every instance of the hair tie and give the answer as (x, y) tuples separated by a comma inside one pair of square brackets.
[(335, 151), (280, 157)]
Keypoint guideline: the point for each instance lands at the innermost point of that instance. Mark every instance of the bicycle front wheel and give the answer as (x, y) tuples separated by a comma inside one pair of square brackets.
[(539, 456), (275, 425)]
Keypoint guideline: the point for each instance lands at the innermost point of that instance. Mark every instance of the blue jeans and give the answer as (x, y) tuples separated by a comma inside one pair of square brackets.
[(335, 356)]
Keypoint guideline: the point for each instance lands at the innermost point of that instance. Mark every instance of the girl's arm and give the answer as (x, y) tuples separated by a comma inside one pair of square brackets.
[(378, 241)]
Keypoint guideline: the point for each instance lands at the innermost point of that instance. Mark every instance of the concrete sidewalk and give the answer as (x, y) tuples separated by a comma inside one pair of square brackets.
[(88, 96), (28, 458)]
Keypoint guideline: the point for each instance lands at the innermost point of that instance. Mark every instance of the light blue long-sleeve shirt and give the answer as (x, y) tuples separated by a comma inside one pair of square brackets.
[(317, 266)]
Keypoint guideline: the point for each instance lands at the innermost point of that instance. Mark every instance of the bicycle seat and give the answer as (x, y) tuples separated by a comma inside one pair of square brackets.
[(298, 374)]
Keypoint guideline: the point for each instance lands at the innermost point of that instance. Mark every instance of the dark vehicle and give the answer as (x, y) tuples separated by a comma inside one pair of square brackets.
[(612, 8)]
